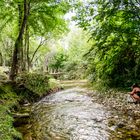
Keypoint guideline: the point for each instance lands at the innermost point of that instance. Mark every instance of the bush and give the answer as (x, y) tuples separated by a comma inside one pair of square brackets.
[(74, 70), (36, 82), (53, 83)]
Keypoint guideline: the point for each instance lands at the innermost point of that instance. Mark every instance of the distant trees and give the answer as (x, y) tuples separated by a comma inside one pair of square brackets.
[(114, 58), (78, 44), (57, 62), (68, 59)]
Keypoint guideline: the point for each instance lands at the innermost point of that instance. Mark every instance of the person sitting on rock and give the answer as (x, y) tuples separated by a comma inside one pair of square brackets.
[(135, 93)]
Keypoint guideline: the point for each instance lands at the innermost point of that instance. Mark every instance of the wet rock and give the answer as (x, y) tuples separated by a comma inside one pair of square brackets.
[(21, 119), (120, 125), (111, 122)]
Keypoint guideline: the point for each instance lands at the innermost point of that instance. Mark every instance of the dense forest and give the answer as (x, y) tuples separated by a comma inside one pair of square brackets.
[(43, 42), (114, 26), (35, 36)]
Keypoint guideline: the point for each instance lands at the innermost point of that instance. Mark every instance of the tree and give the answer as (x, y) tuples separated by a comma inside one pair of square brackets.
[(37, 17), (6, 45), (18, 42), (57, 62), (68, 57), (114, 25)]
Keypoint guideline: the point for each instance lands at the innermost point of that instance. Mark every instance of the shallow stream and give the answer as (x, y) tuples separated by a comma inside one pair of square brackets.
[(69, 115)]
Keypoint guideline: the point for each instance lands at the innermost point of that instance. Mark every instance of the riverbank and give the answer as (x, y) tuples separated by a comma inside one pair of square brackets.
[(16, 99), (124, 121), (8, 104)]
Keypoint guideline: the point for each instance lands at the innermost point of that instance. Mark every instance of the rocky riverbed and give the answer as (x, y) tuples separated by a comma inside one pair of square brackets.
[(69, 115), (124, 121)]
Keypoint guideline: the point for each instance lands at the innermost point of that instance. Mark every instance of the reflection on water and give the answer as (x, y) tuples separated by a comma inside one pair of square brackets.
[(69, 115)]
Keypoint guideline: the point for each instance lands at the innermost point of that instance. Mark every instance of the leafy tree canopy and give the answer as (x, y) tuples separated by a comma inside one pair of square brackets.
[(115, 27)]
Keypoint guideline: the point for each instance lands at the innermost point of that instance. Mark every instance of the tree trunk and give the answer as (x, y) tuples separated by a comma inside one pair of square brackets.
[(15, 60), (27, 58), (20, 10), (1, 59)]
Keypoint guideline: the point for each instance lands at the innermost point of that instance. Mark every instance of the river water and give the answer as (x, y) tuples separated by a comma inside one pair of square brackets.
[(69, 115)]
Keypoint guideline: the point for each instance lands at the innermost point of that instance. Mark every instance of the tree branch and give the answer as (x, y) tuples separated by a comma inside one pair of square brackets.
[(40, 44)]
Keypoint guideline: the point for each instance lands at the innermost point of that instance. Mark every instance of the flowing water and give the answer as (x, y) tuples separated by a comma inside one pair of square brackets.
[(69, 115)]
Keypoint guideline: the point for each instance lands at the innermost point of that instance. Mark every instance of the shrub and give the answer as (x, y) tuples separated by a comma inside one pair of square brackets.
[(35, 82)]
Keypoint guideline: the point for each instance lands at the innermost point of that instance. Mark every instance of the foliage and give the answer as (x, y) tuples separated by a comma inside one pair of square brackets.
[(8, 99), (47, 16), (114, 25), (53, 83), (38, 83), (78, 45), (6, 43), (3, 71), (68, 57), (73, 70), (6, 125), (20, 21), (57, 62)]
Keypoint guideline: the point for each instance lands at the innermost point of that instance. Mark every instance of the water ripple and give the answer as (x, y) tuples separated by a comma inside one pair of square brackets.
[(69, 115)]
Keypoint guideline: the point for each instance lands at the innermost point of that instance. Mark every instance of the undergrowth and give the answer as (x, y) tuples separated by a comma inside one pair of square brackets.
[(27, 87), (35, 82), (8, 99)]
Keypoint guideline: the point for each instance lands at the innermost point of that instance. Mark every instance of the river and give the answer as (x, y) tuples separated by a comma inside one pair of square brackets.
[(70, 114)]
